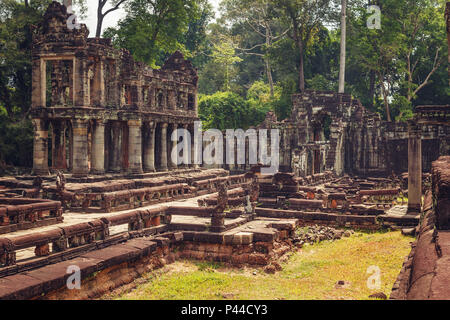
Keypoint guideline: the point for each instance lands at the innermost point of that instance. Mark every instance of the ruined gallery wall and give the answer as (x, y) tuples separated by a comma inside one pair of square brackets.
[(103, 110), (70, 69), (380, 147), (331, 131)]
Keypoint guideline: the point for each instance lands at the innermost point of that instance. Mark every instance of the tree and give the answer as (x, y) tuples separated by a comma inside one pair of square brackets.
[(225, 55), (402, 57), (305, 17), (424, 44), (16, 19), (102, 14), (16, 133), (195, 39), (151, 28), (343, 46), (228, 110), (255, 16)]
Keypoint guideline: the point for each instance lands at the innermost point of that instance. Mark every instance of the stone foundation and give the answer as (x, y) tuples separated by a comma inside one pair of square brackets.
[(424, 275)]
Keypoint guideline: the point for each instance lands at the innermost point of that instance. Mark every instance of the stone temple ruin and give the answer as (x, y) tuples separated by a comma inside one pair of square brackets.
[(106, 197), (104, 111)]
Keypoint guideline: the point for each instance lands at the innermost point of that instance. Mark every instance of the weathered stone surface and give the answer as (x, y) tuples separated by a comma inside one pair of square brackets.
[(359, 142), (441, 192), (99, 89), (425, 273)]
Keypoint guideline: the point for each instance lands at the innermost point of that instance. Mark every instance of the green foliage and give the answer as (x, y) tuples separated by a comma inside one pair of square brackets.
[(227, 110), (208, 266), (16, 20), (319, 82), (283, 106), (405, 58), (16, 133), (195, 40), (402, 108), (151, 29), (211, 78), (224, 55), (16, 141), (260, 92)]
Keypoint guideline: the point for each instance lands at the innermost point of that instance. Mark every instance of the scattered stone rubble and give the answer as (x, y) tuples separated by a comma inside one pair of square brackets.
[(316, 234)]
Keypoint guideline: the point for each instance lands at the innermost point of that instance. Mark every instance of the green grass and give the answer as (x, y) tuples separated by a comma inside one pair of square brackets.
[(310, 273)]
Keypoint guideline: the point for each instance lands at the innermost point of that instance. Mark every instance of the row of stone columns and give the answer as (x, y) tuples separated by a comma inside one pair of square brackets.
[(141, 147)]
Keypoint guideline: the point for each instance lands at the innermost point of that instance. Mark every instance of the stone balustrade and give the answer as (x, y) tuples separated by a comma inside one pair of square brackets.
[(69, 241), (25, 213)]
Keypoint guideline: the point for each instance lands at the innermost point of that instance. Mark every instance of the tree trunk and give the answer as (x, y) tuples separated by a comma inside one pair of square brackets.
[(301, 69), (100, 17), (385, 98), (372, 78), (270, 78), (98, 32), (298, 39), (301, 75), (267, 60), (343, 46)]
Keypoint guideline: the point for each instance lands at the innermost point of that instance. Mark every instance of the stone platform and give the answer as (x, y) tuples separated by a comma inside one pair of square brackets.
[(399, 217), (49, 277), (207, 222)]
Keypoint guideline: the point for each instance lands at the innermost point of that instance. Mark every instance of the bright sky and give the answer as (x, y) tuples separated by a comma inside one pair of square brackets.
[(112, 19)]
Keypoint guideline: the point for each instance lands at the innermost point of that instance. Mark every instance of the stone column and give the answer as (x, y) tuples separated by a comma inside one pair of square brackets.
[(40, 150), (80, 148), (414, 168), (38, 94), (99, 84), (173, 144), (81, 83), (59, 145), (140, 95), (115, 149), (193, 152), (98, 148), (187, 160), (163, 147), (135, 147), (149, 148)]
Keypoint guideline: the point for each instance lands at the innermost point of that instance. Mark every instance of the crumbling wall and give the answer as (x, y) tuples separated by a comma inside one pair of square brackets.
[(425, 272), (332, 131), (441, 192)]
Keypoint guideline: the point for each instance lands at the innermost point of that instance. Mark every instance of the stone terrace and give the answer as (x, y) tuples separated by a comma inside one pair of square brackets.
[(246, 219)]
